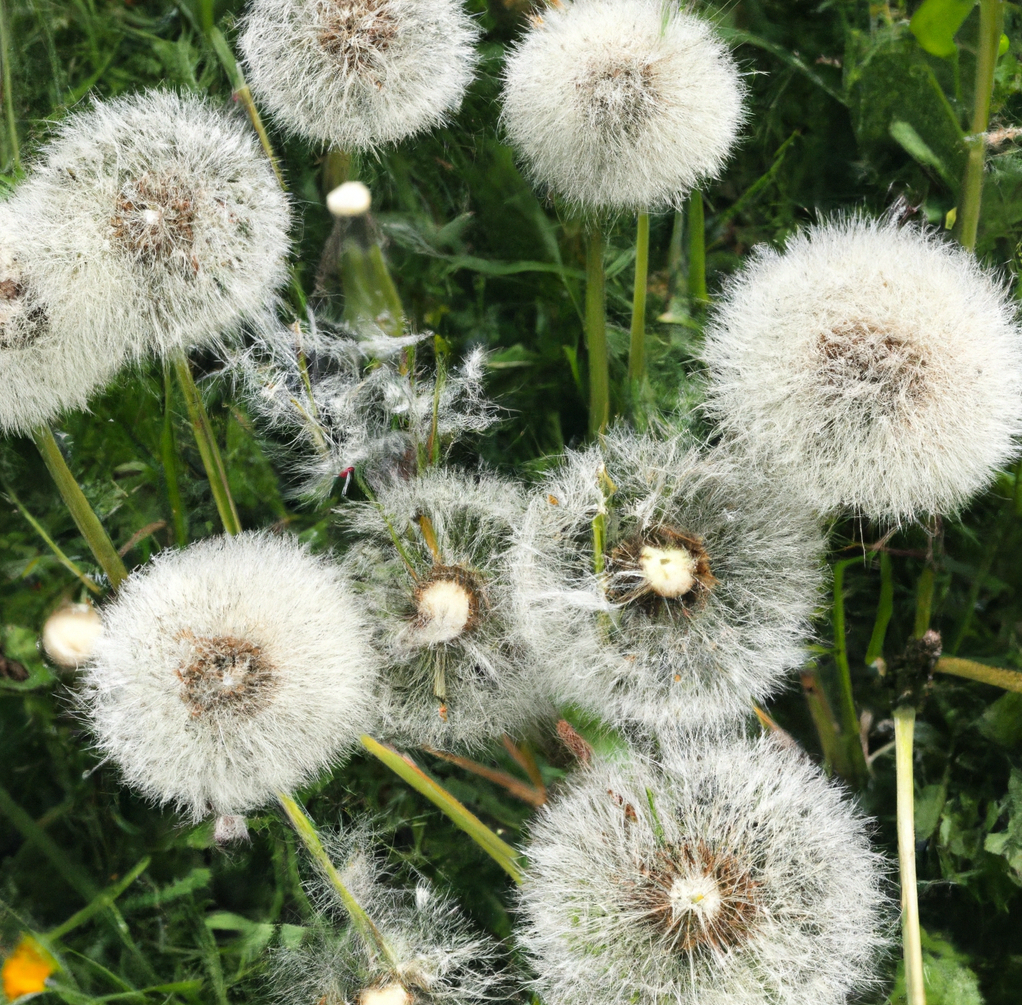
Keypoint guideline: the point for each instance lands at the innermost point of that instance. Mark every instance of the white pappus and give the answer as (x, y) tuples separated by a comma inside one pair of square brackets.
[(621, 104), (229, 671), (870, 368), (658, 583), (158, 222), (359, 74), (732, 873)]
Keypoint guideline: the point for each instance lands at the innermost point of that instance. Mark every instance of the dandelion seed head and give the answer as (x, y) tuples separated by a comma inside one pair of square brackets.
[(869, 367), (229, 671), (699, 599), (729, 871), (621, 104), (359, 74), (158, 222), (70, 634), (352, 198)]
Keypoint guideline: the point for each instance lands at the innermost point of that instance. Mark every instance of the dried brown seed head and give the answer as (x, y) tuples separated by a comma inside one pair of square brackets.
[(154, 220), (224, 673), (356, 32)]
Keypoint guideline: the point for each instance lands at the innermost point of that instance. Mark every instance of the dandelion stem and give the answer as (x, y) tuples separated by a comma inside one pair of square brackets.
[(520, 790), (991, 21), (596, 335), (637, 347), (306, 830), (500, 851), (8, 86), (854, 759), (1010, 680), (696, 249), (885, 609), (206, 442), (823, 720), (904, 726), (81, 512), (168, 455), (924, 601), (100, 902)]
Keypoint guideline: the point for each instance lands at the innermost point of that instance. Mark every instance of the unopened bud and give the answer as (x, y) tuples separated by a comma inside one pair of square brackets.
[(350, 199), (392, 994), (70, 633)]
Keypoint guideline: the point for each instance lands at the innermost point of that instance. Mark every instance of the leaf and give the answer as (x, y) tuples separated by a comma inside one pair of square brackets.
[(1008, 843), (929, 803), (916, 147), (935, 23)]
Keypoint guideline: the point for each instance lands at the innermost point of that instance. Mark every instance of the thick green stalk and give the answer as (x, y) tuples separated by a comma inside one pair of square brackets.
[(5, 61), (823, 719), (306, 830), (1010, 680), (696, 249), (637, 347), (924, 601), (847, 717), (500, 851), (904, 726), (991, 21), (885, 608), (81, 512), (168, 454), (596, 335), (206, 442)]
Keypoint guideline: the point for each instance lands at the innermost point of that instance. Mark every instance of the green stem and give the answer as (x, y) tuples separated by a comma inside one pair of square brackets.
[(208, 449), (168, 454), (306, 830), (637, 348), (991, 21), (823, 719), (81, 512), (1010, 680), (847, 717), (904, 726), (98, 903), (696, 249), (885, 609), (596, 335), (500, 851), (5, 60), (924, 601)]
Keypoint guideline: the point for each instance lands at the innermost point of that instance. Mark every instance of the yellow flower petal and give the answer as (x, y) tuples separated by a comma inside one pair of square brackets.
[(25, 971)]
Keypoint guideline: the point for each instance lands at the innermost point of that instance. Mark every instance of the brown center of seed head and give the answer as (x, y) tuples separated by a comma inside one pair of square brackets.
[(154, 220), (617, 98), (224, 673), (21, 319), (861, 356), (356, 32), (447, 603), (658, 566), (697, 898)]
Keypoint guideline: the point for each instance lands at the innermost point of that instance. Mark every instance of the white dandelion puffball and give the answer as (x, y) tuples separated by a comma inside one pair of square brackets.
[(439, 958), (70, 634), (870, 368), (697, 598), (358, 74), (732, 874), (228, 671), (621, 104), (49, 361), (158, 222), (430, 563)]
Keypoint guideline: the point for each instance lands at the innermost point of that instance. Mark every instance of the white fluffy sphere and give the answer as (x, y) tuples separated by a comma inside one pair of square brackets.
[(157, 222), (733, 873), (228, 671), (70, 634), (358, 74), (621, 104), (871, 368)]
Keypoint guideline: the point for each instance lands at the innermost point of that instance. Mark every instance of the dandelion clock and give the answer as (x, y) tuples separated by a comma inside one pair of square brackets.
[(230, 671), (733, 872), (871, 368), (359, 74)]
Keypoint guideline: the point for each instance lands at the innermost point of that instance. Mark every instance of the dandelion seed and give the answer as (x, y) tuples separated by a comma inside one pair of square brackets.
[(621, 104), (732, 872), (229, 671), (870, 368), (70, 634), (359, 74), (158, 223), (654, 582), (430, 563)]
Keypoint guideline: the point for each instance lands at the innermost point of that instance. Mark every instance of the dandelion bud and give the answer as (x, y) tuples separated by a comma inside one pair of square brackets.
[(158, 223), (358, 74), (430, 564), (733, 872), (392, 994), (657, 583), (70, 634), (230, 671), (352, 198), (621, 104), (870, 368)]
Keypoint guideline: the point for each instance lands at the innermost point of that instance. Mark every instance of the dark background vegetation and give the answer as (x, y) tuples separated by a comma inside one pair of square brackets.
[(848, 111)]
